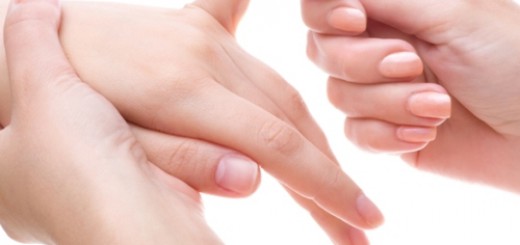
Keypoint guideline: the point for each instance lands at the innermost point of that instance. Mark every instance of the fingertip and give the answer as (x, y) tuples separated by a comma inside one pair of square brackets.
[(348, 19), (379, 137), (371, 214), (416, 134), (430, 104), (238, 174), (401, 65)]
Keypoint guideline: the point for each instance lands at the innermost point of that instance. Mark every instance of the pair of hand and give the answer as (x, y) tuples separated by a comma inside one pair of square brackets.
[(199, 109), (393, 65)]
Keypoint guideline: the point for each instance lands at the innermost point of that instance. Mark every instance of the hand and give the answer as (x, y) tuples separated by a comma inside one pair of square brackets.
[(187, 77), (204, 166), (468, 51), (71, 170), (224, 96)]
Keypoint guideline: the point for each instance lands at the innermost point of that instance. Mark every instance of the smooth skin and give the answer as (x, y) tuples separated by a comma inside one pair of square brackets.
[(72, 171), (180, 93), (412, 54)]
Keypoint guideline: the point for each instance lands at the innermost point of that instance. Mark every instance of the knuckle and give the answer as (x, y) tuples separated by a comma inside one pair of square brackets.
[(182, 157), (202, 46), (296, 105), (280, 137), (207, 49)]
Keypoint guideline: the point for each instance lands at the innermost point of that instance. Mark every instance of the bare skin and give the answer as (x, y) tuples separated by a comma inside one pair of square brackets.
[(464, 49)]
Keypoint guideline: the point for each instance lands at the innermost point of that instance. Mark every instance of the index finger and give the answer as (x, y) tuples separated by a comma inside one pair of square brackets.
[(229, 120)]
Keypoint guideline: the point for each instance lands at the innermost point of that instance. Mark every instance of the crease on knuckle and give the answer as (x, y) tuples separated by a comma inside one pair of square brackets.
[(280, 137), (182, 158)]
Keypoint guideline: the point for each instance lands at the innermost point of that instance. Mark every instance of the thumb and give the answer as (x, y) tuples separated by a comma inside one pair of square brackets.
[(427, 19), (34, 56), (227, 12)]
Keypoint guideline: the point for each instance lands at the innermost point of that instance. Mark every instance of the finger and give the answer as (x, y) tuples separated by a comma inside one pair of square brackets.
[(338, 231), (233, 122), (365, 60), (402, 14), (293, 107), (34, 54), (419, 104), (383, 137), (203, 166), (227, 12), (271, 92), (335, 16)]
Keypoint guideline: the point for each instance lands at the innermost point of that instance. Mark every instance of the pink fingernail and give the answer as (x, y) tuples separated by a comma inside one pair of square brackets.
[(416, 134), (400, 65), (430, 104), (369, 211), (237, 174), (348, 19)]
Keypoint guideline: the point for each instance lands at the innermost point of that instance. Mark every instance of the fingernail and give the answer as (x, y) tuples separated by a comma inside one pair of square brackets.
[(430, 104), (237, 174), (416, 134), (368, 210), (348, 19), (357, 237), (400, 65)]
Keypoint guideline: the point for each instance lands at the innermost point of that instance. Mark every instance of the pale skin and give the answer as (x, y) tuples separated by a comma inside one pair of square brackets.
[(61, 185), (393, 65), (202, 96)]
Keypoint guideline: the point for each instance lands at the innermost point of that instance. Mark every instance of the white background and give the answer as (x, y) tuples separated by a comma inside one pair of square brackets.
[(420, 208)]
